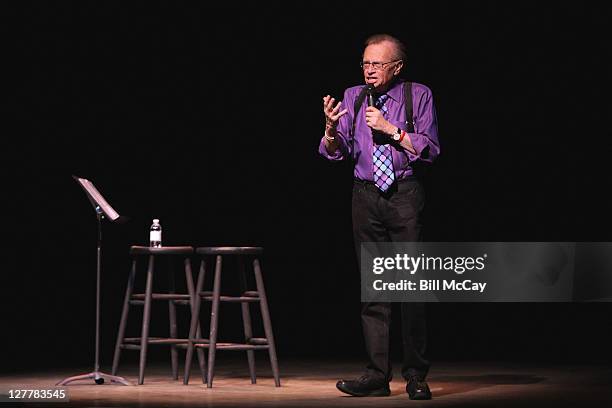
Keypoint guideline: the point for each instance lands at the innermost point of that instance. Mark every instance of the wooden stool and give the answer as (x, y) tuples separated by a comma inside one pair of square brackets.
[(173, 299), (259, 296)]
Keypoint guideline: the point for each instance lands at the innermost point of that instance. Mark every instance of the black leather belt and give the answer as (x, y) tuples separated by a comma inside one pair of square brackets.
[(368, 182)]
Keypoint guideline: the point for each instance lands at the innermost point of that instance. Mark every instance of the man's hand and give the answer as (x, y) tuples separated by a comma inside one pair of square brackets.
[(376, 121), (332, 113)]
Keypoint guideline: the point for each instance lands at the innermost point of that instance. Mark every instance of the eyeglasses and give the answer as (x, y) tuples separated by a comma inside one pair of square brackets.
[(377, 66)]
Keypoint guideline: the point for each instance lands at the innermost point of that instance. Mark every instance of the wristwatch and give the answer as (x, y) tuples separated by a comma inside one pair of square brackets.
[(397, 135)]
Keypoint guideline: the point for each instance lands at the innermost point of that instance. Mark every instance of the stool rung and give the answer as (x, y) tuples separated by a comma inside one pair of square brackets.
[(234, 346), (176, 302), (155, 340), (196, 342), (162, 296), (230, 298), (248, 293), (258, 340)]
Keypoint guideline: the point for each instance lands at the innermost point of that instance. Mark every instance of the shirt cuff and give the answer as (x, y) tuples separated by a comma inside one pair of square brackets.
[(337, 155), (419, 143)]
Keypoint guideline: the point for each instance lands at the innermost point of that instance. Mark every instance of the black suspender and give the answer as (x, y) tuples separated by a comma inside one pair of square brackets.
[(357, 106), (408, 106)]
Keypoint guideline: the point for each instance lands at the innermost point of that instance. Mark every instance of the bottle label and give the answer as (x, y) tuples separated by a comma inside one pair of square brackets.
[(155, 236)]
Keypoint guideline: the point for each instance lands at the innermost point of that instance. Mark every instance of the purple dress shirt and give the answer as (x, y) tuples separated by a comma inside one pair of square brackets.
[(360, 145)]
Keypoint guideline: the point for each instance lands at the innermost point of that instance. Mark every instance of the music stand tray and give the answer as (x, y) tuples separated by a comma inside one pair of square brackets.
[(103, 210)]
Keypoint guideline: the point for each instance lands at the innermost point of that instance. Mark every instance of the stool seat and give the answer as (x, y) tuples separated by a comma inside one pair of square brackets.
[(229, 250), (169, 250)]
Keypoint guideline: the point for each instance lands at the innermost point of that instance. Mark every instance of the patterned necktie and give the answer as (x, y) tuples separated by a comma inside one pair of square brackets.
[(382, 159)]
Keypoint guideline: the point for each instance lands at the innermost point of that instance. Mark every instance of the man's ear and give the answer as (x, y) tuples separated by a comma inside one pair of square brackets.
[(398, 68)]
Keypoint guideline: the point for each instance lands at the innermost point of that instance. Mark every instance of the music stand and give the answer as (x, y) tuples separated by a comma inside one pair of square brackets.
[(103, 209)]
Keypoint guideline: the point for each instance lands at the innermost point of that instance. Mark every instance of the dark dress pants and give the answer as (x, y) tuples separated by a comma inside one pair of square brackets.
[(393, 216)]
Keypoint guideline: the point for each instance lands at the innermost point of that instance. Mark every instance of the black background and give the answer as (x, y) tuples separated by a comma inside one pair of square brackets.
[(209, 119)]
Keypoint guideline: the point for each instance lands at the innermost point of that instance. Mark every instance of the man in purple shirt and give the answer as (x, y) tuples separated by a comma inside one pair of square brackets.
[(387, 196)]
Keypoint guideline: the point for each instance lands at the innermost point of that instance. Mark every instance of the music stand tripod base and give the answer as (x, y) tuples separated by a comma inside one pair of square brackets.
[(97, 376)]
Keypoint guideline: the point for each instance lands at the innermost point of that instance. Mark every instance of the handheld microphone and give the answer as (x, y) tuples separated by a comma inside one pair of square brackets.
[(370, 94)]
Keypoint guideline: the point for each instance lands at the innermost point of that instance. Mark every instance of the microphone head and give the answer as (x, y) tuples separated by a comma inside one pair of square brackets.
[(370, 94)]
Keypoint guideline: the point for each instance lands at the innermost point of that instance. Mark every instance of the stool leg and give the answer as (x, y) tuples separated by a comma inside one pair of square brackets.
[(144, 340), (214, 319), (192, 294), (246, 321), (124, 317), (194, 325), (172, 319), (265, 314)]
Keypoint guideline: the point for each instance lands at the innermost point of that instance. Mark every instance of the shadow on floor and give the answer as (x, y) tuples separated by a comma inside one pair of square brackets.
[(455, 384)]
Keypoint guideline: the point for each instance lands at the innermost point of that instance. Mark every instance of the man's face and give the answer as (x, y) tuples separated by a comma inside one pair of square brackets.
[(383, 54)]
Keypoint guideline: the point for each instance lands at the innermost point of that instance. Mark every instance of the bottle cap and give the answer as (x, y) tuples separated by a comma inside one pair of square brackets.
[(155, 221)]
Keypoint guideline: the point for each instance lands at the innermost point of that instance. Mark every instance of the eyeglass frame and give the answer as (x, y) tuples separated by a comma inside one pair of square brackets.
[(382, 64)]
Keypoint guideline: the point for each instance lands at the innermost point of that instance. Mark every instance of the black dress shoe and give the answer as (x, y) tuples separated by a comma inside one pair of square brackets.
[(364, 386), (417, 389)]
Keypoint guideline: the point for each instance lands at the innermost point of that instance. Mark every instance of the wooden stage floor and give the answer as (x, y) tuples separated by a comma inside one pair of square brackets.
[(312, 384)]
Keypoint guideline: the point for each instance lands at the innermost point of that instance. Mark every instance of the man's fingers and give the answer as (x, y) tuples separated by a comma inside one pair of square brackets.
[(332, 112), (336, 109), (372, 113), (329, 107), (337, 116), (330, 103), (326, 104)]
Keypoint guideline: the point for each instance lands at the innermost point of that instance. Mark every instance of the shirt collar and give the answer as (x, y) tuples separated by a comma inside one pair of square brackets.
[(395, 91)]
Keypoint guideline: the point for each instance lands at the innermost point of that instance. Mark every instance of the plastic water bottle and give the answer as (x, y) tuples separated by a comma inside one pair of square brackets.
[(155, 236)]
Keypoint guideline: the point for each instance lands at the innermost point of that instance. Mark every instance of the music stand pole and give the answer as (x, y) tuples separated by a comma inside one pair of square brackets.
[(97, 375)]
